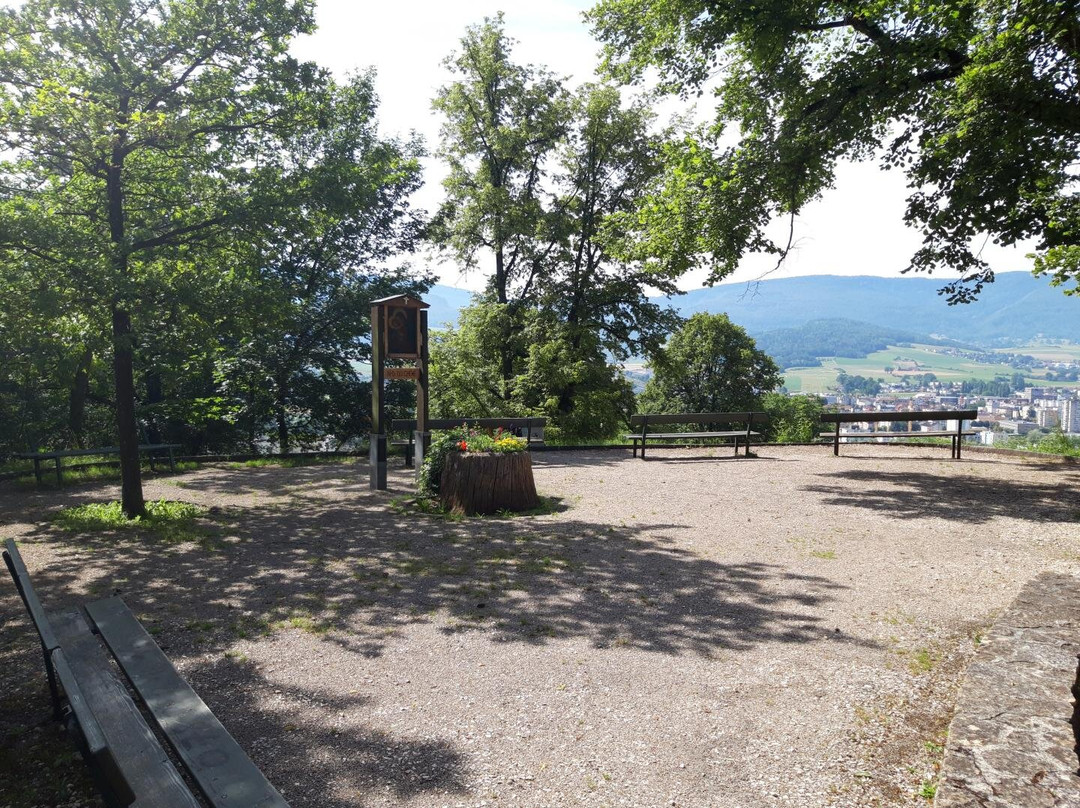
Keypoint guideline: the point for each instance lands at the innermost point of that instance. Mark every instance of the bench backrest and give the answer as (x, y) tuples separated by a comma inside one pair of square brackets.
[(646, 420), (921, 415), (95, 746)]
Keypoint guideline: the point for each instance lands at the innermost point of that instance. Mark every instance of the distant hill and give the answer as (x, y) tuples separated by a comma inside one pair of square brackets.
[(802, 346), (445, 302), (1014, 309)]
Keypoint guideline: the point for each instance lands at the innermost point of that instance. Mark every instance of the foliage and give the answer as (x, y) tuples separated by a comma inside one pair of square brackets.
[(192, 227), (861, 385), (174, 521), (541, 179), (792, 419), (709, 365), (1048, 442), (558, 371), (130, 130), (310, 280), (998, 387), (975, 100)]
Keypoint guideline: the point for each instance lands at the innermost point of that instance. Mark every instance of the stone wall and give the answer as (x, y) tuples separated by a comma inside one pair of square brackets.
[(1012, 741)]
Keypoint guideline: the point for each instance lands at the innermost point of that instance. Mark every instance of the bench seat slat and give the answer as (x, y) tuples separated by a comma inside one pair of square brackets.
[(142, 760), (741, 433), (949, 434), (222, 770)]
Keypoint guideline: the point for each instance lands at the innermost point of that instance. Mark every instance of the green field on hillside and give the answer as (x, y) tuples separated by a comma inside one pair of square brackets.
[(1048, 353), (921, 358)]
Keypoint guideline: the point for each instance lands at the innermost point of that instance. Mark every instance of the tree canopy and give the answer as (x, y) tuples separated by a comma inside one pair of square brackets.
[(975, 100), (709, 365), (542, 180), (184, 198)]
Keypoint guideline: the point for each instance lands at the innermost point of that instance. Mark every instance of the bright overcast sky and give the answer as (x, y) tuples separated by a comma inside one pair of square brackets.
[(856, 229)]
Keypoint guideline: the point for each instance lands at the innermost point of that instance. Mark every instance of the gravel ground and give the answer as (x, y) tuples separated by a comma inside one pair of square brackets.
[(690, 630)]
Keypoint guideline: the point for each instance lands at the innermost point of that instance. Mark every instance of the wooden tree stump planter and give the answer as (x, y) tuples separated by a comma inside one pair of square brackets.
[(484, 483)]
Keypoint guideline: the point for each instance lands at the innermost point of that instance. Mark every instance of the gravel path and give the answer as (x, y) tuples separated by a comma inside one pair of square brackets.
[(684, 631)]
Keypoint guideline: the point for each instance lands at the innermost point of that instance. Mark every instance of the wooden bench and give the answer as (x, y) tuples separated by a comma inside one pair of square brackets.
[(532, 429), (744, 435), (956, 436), (128, 763), (149, 448)]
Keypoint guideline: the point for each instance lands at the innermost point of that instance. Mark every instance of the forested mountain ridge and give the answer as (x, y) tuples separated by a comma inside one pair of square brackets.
[(804, 345), (1014, 309)]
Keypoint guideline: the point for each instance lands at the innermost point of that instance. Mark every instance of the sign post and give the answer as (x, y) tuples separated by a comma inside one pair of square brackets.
[(398, 331)]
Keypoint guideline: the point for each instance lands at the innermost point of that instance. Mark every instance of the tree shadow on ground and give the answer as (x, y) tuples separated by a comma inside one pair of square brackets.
[(343, 564), (352, 570), (308, 742), (959, 498)]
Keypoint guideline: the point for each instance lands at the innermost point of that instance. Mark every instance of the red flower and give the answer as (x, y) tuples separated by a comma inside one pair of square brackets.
[(463, 446)]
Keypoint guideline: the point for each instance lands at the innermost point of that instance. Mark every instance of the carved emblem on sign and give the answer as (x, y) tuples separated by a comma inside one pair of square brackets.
[(401, 373)]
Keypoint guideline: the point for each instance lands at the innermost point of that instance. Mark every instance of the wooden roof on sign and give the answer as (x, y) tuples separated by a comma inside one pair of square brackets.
[(405, 301)]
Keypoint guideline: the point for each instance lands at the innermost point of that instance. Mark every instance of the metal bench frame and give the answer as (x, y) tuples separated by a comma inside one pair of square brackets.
[(744, 436), (956, 436)]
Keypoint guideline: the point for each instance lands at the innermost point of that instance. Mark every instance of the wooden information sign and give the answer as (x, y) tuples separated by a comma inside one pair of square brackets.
[(398, 331)]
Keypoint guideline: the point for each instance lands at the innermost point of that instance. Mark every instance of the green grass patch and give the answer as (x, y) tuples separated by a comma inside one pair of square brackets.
[(921, 358), (169, 520)]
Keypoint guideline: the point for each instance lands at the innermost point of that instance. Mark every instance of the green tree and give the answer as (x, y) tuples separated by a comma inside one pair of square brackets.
[(792, 419), (550, 358), (709, 365), (502, 125), (312, 277), (975, 100), (546, 182), (133, 131)]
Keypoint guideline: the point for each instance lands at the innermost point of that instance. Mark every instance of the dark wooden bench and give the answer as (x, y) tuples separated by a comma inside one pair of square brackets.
[(532, 429), (148, 448), (956, 436), (128, 763), (744, 435)]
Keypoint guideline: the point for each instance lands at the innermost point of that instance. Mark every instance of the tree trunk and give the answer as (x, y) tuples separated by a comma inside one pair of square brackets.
[(280, 415), (80, 389), (282, 430), (479, 482), (153, 396), (127, 430)]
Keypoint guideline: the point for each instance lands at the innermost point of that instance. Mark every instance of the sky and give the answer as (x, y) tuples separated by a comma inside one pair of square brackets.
[(855, 229)]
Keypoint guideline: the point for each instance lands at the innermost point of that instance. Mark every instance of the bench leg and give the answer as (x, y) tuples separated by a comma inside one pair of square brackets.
[(172, 460), (58, 480), (37, 471), (736, 446)]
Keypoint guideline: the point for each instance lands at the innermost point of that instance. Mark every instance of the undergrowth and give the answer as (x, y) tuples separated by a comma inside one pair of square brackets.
[(168, 520)]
